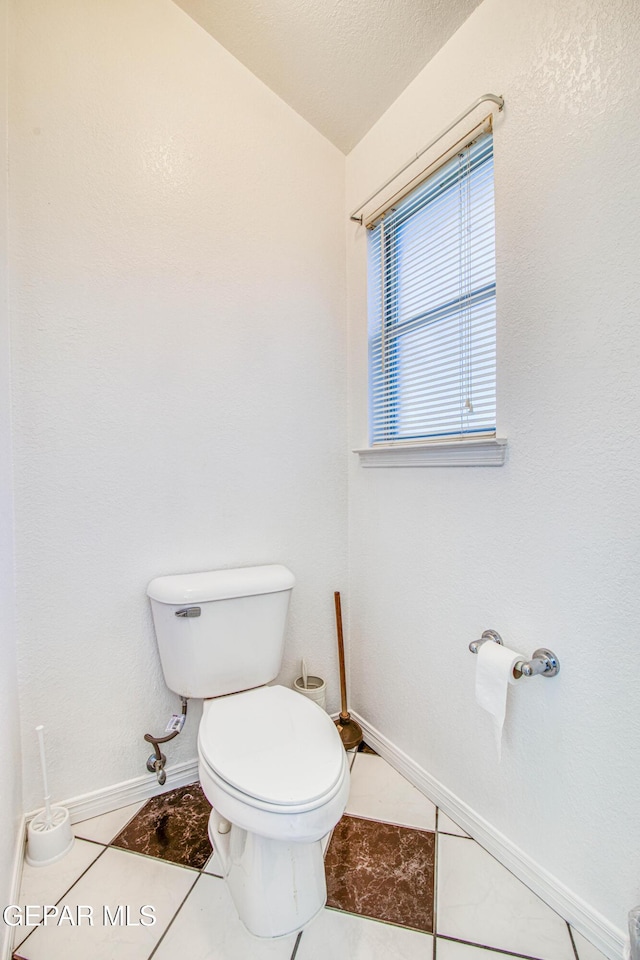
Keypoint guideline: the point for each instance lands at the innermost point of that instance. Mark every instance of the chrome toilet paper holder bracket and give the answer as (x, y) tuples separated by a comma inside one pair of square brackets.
[(543, 663)]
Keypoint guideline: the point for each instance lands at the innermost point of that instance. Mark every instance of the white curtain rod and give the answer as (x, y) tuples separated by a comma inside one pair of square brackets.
[(499, 101)]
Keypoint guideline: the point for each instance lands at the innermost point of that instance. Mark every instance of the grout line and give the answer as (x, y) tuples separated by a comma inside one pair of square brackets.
[(296, 945), (150, 856), (393, 823), (61, 898), (436, 860), (485, 946), (98, 843), (448, 832), (170, 924), (387, 923), (573, 943)]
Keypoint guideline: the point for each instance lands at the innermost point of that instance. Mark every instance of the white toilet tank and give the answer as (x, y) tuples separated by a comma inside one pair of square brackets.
[(222, 631)]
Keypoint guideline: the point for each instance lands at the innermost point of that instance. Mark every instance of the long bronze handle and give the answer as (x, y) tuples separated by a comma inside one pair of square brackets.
[(343, 680)]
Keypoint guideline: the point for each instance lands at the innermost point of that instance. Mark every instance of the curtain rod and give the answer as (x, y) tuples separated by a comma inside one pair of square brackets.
[(486, 96)]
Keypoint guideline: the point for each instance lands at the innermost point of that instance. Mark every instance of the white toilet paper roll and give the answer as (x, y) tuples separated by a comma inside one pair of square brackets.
[(494, 674)]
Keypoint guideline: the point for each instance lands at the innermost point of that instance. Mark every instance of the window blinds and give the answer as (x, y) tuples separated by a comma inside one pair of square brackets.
[(431, 281)]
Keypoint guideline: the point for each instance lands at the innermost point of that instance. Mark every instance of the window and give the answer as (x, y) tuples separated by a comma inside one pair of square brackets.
[(432, 290)]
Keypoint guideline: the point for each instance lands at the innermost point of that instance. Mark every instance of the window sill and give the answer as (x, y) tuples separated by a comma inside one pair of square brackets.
[(486, 452)]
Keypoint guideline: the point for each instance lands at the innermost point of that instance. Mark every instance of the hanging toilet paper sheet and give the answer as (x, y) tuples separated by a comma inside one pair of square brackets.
[(494, 675)]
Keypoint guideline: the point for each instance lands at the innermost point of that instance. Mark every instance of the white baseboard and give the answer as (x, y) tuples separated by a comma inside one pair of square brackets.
[(587, 921), (6, 946), (129, 791)]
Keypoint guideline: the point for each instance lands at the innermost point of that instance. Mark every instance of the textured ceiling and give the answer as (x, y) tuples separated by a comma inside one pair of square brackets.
[(339, 63)]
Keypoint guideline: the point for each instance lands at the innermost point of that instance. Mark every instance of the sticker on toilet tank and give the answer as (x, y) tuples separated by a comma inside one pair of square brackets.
[(175, 723)]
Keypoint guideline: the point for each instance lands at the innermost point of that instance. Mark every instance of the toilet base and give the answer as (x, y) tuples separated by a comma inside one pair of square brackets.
[(277, 886)]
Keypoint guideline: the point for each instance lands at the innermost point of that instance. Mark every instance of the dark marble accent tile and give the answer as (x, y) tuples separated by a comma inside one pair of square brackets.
[(365, 748), (382, 871), (172, 826)]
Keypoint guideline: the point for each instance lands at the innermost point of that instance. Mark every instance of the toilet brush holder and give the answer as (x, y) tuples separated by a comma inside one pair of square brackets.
[(49, 834), (49, 838), (315, 689)]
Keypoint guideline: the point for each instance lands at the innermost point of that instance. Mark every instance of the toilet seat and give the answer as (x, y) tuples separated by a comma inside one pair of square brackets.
[(272, 747), (272, 762)]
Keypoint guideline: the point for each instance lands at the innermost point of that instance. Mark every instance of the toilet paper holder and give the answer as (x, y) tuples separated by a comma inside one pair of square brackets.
[(543, 663)]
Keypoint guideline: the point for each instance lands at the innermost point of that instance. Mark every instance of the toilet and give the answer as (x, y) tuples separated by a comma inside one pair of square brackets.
[(271, 762)]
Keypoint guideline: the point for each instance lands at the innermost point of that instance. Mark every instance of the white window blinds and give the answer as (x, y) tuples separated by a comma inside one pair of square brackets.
[(432, 288)]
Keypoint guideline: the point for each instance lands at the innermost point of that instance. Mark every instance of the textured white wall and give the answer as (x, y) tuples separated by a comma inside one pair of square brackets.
[(178, 258), (10, 786), (545, 549)]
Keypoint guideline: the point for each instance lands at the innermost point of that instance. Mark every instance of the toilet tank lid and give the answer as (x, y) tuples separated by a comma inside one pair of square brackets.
[(221, 584)]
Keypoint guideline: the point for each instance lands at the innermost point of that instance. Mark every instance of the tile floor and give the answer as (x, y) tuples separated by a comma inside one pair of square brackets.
[(404, 883)]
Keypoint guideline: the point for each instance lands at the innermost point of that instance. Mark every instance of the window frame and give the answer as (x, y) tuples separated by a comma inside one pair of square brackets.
[(481, 446)]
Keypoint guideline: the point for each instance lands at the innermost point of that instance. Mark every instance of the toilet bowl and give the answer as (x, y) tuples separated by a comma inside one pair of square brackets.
[(271, 765), (271, 762)]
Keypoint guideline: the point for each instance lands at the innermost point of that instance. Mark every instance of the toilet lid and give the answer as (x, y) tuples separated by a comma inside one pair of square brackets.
[(273, 744)]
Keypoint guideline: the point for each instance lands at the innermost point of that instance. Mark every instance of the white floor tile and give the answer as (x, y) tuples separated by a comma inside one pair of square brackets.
[(347, 937), (378, 792), (207, 928), (481, 901), (116, 878), (586, 950), (447, 825), (107, 826), (45, 885)]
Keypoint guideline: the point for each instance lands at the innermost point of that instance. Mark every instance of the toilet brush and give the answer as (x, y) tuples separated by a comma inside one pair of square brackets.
[(349, 729), (49, 834)]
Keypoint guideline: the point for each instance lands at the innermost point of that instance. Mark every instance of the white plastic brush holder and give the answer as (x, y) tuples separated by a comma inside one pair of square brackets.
[(48, 841), (49, 834), (315, 690)]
